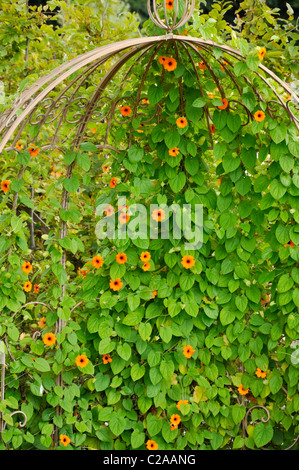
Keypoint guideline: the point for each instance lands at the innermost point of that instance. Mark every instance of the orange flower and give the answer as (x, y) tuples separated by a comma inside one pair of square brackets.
[(265, 299), (152, 445), (49, 339), (220, 180), (64, 440), (105, 168), (260, 373), (175, 419), (115, 285), (33, 151), (212, 128), (223, 63), (97, 261), (188, 261), (36, 288), (126, 110), (173, 426), (158, 215), (93, 130), (124, 218), (146, 266), (42, 322), (225, 103), (5, 185), (290, 243), (182, 122), (188, 351), (174, 152), (27, 267), (109, 210), (113, 183), (162, 60), (145, 101), (170, 64), (121, 258), (155, 293), (145, 256), (81, 360), (202, 65), (27, 286), (82, 272), (169, 4), (261, 53), (106, 359), (242, 391), (259, 116), (181, 402), (18, 145)]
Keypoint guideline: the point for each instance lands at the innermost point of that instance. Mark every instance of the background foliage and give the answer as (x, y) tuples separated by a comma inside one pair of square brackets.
[(237, 307)]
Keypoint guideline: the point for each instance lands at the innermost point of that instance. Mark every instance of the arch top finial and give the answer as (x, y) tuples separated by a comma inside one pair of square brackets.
[(169, 14)]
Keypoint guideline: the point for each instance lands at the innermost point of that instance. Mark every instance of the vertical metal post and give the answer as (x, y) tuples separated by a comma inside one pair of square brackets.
[(2, 363)]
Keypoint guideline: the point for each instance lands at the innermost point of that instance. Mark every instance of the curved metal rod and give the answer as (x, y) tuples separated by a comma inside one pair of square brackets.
[(21, 424), (32, 96), (264, 420)]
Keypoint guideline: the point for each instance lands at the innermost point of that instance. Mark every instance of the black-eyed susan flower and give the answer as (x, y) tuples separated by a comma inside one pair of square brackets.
[(261, 53), (26, 267), (181, 122), (174, 152), (5, 185), (259, 116), (188, 261), (126, 111), (175, 419), (124, 218), (170, 64), (109, 210), (27, 286), (116, 284), (121, 258), (42, 322), (158, 215), (169, 4), (64, 440), (145, 256), (146, 266), (97, 261), (106, 359), (113, 182), (188, 351), (242, 391), (152, 445), (49, 339), (224, 105), (81, 360)]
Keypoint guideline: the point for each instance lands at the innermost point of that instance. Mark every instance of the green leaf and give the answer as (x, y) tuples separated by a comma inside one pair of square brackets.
[(83, 161), (277, 190), (117, 424), (137, 371), (178, 182), (71, 184), (41, 364), (238, 413), (155, 93), (137, 439), (199, 103), (172, 139), (135, 154), (262, 434)]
